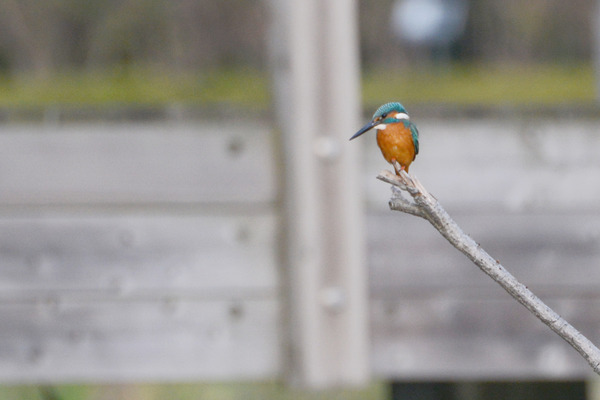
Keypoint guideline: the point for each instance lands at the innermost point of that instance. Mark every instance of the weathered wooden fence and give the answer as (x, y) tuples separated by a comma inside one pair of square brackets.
[(137, 251), (134, 251)]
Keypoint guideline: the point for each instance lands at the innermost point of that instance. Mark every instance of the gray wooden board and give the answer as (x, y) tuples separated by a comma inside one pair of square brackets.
[(513, 164), (529, 192), (130, 253), (433, 336), (548, 251), (108, 295), (138, 252), (136, 163), (108, 339), (435, 315)]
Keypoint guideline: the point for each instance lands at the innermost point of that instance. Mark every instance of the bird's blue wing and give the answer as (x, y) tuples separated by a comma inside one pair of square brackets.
[(415, 136)]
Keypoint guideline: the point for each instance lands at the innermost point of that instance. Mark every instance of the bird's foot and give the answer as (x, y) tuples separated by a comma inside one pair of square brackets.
[(398, 170)]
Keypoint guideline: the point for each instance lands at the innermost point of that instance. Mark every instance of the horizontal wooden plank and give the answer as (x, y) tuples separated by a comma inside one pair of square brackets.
[(435, 315), (459, 337), (138, 252), (546, 251), (512, 164), (164, 339), (136, 163), (137, 295)]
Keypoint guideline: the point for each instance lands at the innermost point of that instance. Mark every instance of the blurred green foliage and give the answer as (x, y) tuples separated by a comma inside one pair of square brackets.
[(487, 85), (244, 87), (462, 84)]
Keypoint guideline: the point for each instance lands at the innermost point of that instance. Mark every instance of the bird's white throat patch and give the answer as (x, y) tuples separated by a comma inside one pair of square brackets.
[(380, 127)]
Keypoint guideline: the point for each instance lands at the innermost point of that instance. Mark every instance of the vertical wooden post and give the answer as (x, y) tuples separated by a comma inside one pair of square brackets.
[(315, 63)]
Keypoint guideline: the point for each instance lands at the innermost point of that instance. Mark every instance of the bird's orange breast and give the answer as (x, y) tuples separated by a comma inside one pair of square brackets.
[(396, 143)]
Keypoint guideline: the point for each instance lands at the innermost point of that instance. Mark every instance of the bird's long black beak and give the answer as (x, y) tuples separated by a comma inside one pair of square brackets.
[(364, 129)]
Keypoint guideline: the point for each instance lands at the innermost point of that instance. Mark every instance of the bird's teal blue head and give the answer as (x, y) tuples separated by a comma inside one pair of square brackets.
[(389, 113)]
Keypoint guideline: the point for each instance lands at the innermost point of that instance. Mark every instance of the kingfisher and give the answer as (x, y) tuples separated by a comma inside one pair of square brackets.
[(397, 136)]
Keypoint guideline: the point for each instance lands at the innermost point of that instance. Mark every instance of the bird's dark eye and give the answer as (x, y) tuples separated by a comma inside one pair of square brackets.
[(383, 115)]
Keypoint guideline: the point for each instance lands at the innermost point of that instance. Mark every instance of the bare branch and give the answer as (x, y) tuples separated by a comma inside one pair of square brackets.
[(426, 206), (399, 203)]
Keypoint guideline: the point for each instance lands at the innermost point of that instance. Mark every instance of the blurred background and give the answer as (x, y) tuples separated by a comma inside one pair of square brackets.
[(202, 53), (181, 215)]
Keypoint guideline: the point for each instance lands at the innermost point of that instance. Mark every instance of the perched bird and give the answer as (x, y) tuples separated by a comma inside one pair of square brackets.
[(397, 136)]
